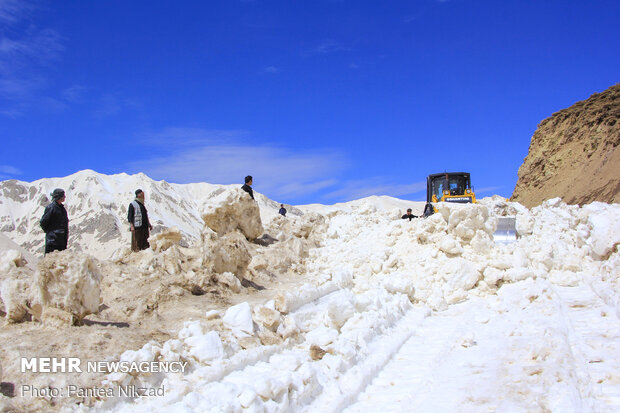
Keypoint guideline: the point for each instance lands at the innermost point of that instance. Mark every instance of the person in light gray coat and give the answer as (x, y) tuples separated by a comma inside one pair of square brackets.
[(138, 218)]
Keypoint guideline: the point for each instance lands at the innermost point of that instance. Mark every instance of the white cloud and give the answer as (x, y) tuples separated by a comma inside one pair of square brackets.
[(278, 172), (25, 50), (8, 172), (111, 104), (13, 10), (374, 186), (271, 69), (284, 174), (15, 88), (183, 136), (74, 94), (326, 47)]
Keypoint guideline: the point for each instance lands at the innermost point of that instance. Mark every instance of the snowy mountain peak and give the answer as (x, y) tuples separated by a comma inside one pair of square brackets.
[(97, 207)]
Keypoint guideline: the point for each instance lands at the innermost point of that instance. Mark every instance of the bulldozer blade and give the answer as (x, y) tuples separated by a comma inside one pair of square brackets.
[(506, 231)]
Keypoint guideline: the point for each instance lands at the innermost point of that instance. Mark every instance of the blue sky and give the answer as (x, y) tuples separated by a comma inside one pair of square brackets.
[(321, 101)]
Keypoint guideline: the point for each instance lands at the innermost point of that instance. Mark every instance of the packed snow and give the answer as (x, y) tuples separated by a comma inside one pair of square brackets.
[(383, 314)]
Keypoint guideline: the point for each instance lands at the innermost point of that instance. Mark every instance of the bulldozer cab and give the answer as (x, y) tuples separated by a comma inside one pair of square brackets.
[(450, 187)]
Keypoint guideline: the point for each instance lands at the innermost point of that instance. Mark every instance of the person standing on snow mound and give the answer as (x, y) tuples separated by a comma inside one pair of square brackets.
[(247, 187), (282, 210), (55, 223), (138, 218), (409, 215)]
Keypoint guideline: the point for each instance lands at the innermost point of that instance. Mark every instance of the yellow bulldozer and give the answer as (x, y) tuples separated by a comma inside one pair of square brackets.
[(456, 187), (450, 187)]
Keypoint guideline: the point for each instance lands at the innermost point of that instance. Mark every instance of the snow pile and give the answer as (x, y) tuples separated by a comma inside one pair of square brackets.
[(65, 288), (219, 263), (69, 282), (233, 210), (318, 345), (422, 302), (294, 237), (338, 332)]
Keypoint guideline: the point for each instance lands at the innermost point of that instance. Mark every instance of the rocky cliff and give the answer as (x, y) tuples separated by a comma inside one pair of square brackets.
[(574, 154)]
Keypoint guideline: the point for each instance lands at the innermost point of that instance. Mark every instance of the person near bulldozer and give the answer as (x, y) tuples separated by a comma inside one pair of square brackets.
[(138, 218), (409, 215)]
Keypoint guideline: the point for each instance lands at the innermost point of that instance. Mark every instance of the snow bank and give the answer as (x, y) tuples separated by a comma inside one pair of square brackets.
[(372, 281)]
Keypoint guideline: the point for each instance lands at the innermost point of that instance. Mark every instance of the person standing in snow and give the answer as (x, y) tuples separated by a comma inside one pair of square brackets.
[(138, 218), (282, 210), (428, 210), (55, 223), (409, 215), (247, 187)]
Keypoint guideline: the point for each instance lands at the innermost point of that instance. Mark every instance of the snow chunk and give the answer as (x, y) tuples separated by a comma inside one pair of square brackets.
[(341, 309), (202, 346), (205, 347), (461, 275), (268, 317), (605, 223), (239, 319), (230, 280), (234, 210), (165, 239), (397, 283), (321, 336), (450, 246), (230, 254), (69, 281), (11, 259), (15, 285)]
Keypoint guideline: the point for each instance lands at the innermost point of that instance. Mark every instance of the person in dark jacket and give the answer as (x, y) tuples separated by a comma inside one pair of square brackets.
[(282, 210), (409, 215), (428, 210), (138, 218), (55, 223), (247, 187)]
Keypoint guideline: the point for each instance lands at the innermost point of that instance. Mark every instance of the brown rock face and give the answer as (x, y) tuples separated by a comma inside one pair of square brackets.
[(574, 154)]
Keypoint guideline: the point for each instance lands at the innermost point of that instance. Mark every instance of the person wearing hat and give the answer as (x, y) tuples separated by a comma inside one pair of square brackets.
[(409, 215), (55, 223), (138, 218)]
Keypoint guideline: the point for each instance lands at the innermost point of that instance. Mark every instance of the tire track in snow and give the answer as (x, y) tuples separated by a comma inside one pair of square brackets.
[(286, 376), (383, 349), (594, 337), (408, 376)]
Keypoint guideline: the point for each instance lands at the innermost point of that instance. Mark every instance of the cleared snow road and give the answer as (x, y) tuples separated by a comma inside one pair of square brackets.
[(538, 347)]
